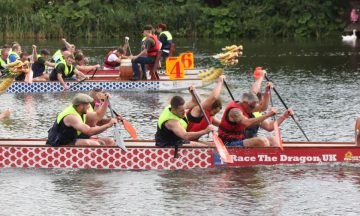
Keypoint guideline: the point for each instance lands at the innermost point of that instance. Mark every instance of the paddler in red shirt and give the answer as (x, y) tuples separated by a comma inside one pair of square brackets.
[(212, 105)]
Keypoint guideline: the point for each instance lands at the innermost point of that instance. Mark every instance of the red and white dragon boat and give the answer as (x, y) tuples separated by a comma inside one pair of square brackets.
[(143, 155)]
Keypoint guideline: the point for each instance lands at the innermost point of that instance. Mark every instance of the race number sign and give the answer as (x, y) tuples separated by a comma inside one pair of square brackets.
[(175, 66)]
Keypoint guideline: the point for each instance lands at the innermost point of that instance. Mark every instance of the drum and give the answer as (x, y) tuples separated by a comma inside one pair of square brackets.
[(126, 71)]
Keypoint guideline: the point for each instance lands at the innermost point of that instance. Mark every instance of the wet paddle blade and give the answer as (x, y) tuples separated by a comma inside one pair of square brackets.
[(224, 154), (118, 138), (130, 129), (278, 135), (29, 77)]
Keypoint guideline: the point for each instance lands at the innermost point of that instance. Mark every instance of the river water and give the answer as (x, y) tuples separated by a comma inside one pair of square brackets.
[(319, 79)]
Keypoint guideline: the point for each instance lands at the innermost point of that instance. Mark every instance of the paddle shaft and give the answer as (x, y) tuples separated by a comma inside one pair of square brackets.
[(84, 79), (227, 87), (286, 107), (201, 107)]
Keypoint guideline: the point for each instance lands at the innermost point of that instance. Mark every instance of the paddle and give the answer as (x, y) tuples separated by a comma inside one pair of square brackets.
[(128, 127), (118, 138), (127, 41), (224, 154), (84, 79), (292, 116), (227, 87)]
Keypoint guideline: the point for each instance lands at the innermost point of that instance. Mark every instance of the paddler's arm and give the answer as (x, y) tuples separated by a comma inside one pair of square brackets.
[(191, 104), (67, 44), (264, 103), (50, 64), (235, 115), (257, 84), (216, 122), (79, 74), (269, 125), (87, 68), (214, 95), (59, 73), (34, 54), (179, 131), (73, 121)]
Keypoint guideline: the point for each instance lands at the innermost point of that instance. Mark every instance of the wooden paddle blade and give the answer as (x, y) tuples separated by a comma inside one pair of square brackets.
[(118, 138), (278, 135), (130, 129), (224, 154)]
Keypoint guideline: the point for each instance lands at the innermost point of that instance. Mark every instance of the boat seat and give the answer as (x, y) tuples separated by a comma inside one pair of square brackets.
[(154, 67)]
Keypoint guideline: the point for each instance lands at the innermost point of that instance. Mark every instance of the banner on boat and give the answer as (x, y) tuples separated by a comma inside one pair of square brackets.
[(273, 156)]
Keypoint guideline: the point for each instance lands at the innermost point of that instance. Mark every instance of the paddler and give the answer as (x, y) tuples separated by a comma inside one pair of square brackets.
[(5, 114), (99, 107), (80, 62), (212, 105), (40, 63), (148, 54), (113, 58), (59, 54), (14, 53), (264, 99), (3, 58), (172, 125), (165, 38), (70, 124), (64, 70), (24, 57), (236, 119)]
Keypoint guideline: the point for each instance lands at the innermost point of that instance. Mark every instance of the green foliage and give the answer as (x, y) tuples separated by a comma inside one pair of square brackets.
[(201, 18)]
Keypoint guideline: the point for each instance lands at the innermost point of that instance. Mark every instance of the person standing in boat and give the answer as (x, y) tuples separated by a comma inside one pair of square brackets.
[(212, 105), (64, 70), (40, 63), (148, 54), (236, 119), (165, 38), (71, 123), (113, 58), (172, 125)]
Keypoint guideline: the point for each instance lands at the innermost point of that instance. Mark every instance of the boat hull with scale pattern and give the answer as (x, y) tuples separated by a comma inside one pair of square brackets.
[(143, 155)]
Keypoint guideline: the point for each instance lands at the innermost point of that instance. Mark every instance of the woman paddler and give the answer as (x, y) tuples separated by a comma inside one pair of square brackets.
[(212, 105)]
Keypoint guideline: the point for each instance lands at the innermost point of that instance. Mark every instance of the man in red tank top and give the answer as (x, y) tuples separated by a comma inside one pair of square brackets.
[(236, 119), (148, 54)]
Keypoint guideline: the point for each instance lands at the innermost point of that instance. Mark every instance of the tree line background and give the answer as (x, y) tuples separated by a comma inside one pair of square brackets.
[(185, 18)]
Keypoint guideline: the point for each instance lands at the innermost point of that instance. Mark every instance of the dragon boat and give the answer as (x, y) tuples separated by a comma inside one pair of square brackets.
[(143, 155), (110, 80)]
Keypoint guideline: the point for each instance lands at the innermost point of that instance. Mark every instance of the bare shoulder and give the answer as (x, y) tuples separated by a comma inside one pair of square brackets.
[(171, 124)]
